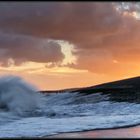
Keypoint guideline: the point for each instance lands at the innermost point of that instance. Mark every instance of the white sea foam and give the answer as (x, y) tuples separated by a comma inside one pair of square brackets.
[(42, 126), (26, 113), (18, 96)]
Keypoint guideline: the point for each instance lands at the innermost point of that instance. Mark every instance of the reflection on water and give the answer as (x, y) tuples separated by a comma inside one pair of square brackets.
[(132, 132)]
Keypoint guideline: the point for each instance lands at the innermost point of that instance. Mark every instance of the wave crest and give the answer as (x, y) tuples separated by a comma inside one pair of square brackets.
[(18, 96)]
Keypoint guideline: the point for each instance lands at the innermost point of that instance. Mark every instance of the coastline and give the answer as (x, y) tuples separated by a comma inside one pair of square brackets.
[(129, 132)]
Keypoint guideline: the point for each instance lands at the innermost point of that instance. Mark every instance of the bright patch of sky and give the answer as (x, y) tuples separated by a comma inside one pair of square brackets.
[(127, 8), (67, 50)]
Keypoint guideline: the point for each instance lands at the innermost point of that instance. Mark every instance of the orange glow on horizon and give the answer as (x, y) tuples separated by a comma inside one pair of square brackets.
[(81, 45)]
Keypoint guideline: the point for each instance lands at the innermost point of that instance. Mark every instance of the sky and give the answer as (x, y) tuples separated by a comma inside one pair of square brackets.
[(58, 45)]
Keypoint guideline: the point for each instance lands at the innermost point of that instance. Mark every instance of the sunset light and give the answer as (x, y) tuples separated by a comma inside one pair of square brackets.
[(101, 40), (69, 69)]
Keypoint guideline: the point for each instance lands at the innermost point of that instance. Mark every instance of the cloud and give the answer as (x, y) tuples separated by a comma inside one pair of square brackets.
[(59, 20), (100, 32), (21, 48)]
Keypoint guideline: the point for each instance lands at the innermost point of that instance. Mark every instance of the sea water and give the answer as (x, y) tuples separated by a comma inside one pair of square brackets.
[(25, 112)]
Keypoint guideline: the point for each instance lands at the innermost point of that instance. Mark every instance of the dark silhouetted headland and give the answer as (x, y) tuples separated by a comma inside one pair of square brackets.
[(121, 90)]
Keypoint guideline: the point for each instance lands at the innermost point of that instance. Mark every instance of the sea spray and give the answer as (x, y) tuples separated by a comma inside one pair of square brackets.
[(18, 96), (24, 112)]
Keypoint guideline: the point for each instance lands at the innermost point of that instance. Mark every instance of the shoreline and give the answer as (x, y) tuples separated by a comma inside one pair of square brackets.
[(127, 132)]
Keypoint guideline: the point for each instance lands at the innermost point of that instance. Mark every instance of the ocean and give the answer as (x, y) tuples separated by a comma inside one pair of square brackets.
[(26, 112)]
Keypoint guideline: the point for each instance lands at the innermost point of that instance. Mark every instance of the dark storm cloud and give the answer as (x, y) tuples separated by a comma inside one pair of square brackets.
[(26, 48), (100, 33), (62, 20)]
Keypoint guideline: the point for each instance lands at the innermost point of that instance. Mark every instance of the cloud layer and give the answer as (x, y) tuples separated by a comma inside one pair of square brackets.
[(19, 49), (106, 38)]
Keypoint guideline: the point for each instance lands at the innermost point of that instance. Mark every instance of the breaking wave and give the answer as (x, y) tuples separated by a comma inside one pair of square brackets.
[(18, 96), (22, 107)]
